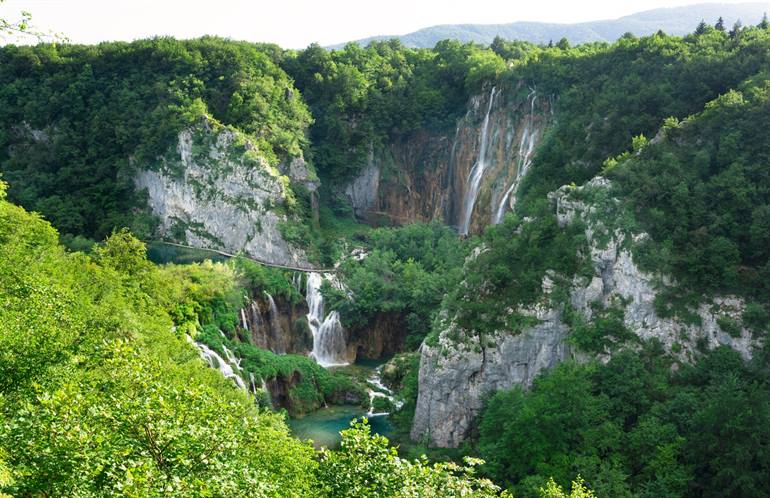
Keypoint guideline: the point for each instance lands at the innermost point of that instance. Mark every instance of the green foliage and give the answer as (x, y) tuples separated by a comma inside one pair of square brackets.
[(100, 398), (404, 381), (259, 278), (635, 427), (365, 465), (578, 490), (509, 269), (602, 333), (97, 106), (406, 273), (756, 317), (704, 196), (608, 93), (364, 97)]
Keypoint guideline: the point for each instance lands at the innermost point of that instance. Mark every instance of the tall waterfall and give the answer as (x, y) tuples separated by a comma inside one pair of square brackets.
[(526, 146), (477, 172), (329, 348)]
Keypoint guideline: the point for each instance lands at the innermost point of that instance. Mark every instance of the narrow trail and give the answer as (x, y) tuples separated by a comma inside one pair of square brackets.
[(229, 255)]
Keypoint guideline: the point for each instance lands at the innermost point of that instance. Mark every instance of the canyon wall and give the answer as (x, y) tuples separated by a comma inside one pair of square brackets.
[(215, 190), (428, 175)]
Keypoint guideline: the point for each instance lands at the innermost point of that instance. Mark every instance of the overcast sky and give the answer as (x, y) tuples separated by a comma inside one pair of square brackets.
[(297, 23)]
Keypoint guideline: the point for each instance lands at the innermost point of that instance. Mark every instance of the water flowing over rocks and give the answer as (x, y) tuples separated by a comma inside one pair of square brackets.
[(216, 191), (329, 337), (427, 174), (276, 324), (455, 374)]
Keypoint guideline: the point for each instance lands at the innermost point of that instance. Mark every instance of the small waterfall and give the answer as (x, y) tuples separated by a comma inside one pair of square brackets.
[(276, 330), (329, 348), (378, 390), (244, 323), (477, 172), (257, 337), (526, 146), (215, 361), (252, 384)]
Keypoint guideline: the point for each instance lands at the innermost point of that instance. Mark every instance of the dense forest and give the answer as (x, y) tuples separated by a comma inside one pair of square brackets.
[(102, 392)]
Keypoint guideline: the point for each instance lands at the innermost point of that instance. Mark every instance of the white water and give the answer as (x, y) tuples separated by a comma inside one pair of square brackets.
[(329, 348), (215, 361), (244, 323), (526, 146), (476, 173), (378, 390), (256, 315), (276, 331)]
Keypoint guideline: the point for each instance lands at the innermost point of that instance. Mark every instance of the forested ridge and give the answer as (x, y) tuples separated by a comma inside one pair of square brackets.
[(103, 394)]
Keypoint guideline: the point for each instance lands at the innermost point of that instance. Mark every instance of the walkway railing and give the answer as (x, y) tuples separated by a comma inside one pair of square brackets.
[(262, 262)]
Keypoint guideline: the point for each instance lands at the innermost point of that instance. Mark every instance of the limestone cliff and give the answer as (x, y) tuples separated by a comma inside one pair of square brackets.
[(455, 374), (215, 190), (425, 175)]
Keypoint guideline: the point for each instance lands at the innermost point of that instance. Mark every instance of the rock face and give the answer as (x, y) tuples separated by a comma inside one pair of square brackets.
[(276, 325), (454, 378), (216, 191), (618, 281), (455, 374), (383, 337), (424, 176)]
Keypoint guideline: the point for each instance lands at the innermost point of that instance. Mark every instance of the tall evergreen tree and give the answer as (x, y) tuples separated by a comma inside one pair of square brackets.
[(737, 27), (720, 25)]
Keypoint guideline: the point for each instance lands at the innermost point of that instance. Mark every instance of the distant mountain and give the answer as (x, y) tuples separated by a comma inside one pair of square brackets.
[(674, 21)]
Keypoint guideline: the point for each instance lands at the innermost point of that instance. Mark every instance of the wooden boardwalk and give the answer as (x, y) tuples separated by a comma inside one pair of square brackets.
[(229, 255)]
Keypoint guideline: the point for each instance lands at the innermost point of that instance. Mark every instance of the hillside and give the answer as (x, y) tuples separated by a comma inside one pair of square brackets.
[(674, 21), (552, 258)]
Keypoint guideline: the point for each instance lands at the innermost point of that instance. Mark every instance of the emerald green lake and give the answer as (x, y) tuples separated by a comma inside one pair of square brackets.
[(323, 426)]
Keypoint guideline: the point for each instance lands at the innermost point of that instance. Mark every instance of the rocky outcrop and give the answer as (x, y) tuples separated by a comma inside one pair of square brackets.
[(276, 324), (455, 374), (618, 281), (381, 338), (424, 176), (216, 191)]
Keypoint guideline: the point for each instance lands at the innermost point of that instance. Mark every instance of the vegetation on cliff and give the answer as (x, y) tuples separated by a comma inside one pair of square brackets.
[(77, 119), (101, 394), (636, 427)]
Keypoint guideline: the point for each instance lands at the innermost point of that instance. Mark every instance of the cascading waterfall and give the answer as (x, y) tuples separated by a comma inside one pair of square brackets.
[(329, 348), (477, 172), (275, 324), (526, 146), (256, 320), (378, 390), (215, 361)]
